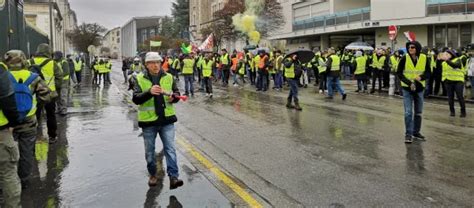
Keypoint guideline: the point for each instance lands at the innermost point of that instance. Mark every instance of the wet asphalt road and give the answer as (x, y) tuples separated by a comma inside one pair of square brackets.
[(99, 161), (332, 154)]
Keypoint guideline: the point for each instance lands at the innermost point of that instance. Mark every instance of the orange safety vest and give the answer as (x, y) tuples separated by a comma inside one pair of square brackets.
[(166, 65), (261, 65), (234, 64)]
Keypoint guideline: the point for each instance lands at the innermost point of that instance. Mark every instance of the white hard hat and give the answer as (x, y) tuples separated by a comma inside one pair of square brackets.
[(153, 56)]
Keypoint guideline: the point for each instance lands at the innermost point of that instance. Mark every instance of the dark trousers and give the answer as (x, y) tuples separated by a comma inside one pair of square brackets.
[(452, 88), (438, 84), (293, 94), (26, 146), (50, 109), (386, 78), (125, 75), (252, 75), (79, 76), (226, 73), (262, 80), (208, 84), (323, 81), (377, 75), (362, 84)]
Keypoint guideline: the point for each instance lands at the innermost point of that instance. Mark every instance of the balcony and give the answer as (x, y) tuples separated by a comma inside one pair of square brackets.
[(440, 7), (339, 18)]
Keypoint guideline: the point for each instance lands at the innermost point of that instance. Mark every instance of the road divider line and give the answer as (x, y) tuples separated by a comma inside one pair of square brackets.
[(247, 197)]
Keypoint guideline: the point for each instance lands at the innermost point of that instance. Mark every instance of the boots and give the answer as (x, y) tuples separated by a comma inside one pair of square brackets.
[(288, 103), (297, 105)]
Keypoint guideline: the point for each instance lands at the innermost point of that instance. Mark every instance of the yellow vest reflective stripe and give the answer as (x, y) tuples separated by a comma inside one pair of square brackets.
[(23, 75), (290, 71), (207, 68), (452, 74), (360, 65), (411, 71), (225, 59), (378, 62), (146, 111), (336, 63), (322, 65), (47, 71), (188, 66), (3, 119)]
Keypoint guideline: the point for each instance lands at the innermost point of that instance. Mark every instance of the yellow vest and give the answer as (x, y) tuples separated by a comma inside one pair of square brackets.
[(24, 74), (394, 61), (3, 119), (336, 63), (48, 72), (378, 62), (290, 71), (188, 66), (225, 59), (452, 74), (361, 61), (207, 68), (411, 71)]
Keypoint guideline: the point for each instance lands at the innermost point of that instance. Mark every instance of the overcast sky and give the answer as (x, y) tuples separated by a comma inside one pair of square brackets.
[(114, 13)]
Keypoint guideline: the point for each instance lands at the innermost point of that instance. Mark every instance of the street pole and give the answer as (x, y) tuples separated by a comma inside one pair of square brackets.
[(51, 43)]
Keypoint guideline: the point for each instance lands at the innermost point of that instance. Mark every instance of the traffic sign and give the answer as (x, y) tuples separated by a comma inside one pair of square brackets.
[(392, 32)]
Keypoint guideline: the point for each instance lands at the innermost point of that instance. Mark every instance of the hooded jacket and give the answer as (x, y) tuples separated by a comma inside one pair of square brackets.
[(7, 99), (401, 68)]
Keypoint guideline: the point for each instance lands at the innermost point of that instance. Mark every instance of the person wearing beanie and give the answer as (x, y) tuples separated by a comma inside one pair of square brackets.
[(63, 92), (52, 74), (413, 70)]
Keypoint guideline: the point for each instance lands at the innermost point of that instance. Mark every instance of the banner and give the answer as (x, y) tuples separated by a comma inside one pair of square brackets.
[(155, 43), (208, 44)]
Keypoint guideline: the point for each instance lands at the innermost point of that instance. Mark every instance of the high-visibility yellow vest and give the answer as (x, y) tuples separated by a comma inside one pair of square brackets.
[(137, 68), (225, 59), (188, 66), (176, 64), (108, 67), (361, 61), (256, 62), (242, 69), (394, 62), (453, 74), (66, 77), (411, 71), (77, 65), (322, 65), (146, 111), (23, 75), (3, 118), (207, 68), (336, 63), (47, 71), (378, 62), (290, 71)]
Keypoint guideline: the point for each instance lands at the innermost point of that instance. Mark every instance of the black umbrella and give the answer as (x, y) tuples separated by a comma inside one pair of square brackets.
[(304, 55)]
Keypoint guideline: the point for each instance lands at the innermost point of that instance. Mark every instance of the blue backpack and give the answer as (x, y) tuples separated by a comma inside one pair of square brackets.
[(23, 95)]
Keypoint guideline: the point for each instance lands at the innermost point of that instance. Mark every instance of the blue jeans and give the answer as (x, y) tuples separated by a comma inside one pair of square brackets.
[(188, 83), (167, 138), (278, 80), (293, 89), (412, 101), (334, 81)]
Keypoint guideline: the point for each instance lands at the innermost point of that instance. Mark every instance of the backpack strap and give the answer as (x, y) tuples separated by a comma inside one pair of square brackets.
[(31, 79), (12, 78)]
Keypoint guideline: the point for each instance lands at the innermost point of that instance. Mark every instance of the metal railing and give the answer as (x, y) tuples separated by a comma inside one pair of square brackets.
[(339, 18), (439, 7)]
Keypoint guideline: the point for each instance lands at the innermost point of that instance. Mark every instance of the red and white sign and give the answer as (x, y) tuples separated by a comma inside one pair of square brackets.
[(392, 32), (208, 44), (410, 36)]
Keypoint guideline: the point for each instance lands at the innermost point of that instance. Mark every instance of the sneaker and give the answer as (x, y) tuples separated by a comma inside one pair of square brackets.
[(408, 139), (153, 181), (419, 137), (320, 91), (357, 91), (207, 95), (175, 183), (210, 95), (53, 140), (344, 97)]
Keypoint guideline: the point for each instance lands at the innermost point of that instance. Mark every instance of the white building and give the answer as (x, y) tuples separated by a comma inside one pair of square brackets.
[(335, 23), (112, 41), (37, 13), (136, 31)]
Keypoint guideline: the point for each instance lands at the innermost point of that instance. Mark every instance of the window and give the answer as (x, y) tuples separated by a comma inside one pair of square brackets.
[(465, 34), (118, 40), (440, 36), (453, 34)]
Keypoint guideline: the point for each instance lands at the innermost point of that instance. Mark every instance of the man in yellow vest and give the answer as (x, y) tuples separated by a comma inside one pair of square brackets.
[(292, 65), (333, 70), (9, 154), (63, 92), (25, 133), (378, 66), (155, 91), (52, 75), (453, 77), (188, 66), (78, 65), (360, 72), (108, 66), (322, 72), (225, 64), (278, 81), (413, 70), (207, 73)]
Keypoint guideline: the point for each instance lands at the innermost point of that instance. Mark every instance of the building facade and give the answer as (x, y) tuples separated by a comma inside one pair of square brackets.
[(336, 23), (112, 42), (37, 13), (136, 31)]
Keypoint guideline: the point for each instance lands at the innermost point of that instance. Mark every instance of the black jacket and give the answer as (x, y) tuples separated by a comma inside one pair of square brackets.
[(7, 100), (401, 68), (140, 97)]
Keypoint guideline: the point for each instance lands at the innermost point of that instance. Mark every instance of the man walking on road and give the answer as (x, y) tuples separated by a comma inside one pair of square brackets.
[(333, 71), (292, 74), (413, 70), (9, 155), (156, 92)]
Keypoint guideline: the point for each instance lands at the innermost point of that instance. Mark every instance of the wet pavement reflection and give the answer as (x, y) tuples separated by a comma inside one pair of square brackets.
[(99, 161)]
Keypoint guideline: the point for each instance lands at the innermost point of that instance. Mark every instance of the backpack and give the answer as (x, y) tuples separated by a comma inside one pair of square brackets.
[(23, 94)]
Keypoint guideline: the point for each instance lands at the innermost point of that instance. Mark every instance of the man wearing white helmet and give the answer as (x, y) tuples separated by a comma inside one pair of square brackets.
[(155, 92)]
